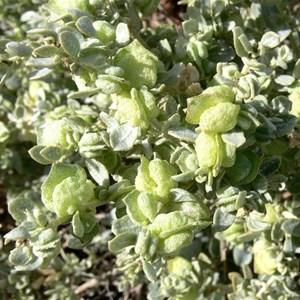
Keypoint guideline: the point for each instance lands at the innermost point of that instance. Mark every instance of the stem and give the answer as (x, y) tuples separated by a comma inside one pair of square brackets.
[(223, 252)]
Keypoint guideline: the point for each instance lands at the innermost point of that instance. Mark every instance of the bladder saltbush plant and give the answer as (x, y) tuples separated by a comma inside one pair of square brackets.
[(189, 134)]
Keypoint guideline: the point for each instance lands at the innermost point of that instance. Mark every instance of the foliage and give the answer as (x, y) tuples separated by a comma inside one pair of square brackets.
[(186, 138)]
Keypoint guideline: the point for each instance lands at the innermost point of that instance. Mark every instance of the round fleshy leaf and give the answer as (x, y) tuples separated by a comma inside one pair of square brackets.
[(77, 225), (270, 39), (223, 219), (20, 256), (85, 26), (122, 241), (206, 149), (66, 189), (62, 7), (209, 98), (138, 63), (98, 171), (149, 271), (70, 43), (18, 49), (219, 118), (104, 31), (122, 138), (122, 34)]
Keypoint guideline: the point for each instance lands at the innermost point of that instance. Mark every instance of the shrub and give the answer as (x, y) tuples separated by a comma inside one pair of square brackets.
[(174, 147)]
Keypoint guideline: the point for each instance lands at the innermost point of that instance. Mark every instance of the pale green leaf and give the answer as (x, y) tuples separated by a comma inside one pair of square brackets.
[(270, 39), (20, 256), (77, 225), (149, 271), (122, 241), (98, 172), (123, 137), (85, 26), (18, 49), (69, 43)]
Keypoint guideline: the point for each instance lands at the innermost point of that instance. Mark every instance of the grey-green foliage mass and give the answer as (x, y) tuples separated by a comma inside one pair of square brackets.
[(190, 133)]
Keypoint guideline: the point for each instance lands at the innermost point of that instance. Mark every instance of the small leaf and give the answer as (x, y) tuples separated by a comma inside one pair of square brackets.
[(207, 150), (19, 206), (45, 62), (270, 165), (285, 80), (255, 222), (260, 183), (66, 189), (223, 219), (92, 56), (45, 51), (98, 172), (270, 39), (46, 239), (249, 236), (88, 221), (77, 225), (240, 200), (53, 154), (35, 263), (42, 31), (40, 73), (62, 7), (105, 31), (209, 98), (183, 177), (288, 246), (35, 153), (75, 243), (148, 205), (181, 195), (122, 241), (123, 137), (142, 242), (18, 49), (285, 125), (122, 34), (110, 122), (173, 244), (183, 134), (138, 63), (149, 271), (85, 26), (69, 43), (281, 105), (124, 224), (241, 43), (18, 233), (111, 84), (245, 168), (235, 138), (133, 209), (241, 256), (219, 118), (20, 256), (190, 27)]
